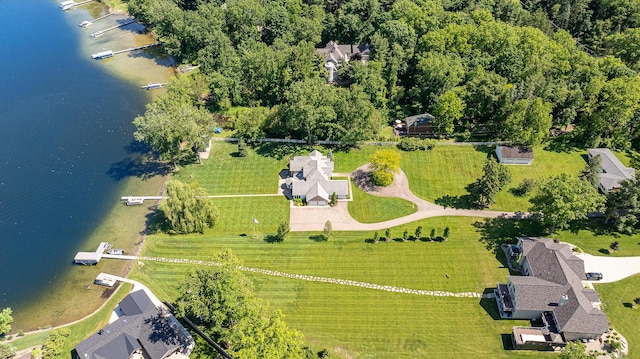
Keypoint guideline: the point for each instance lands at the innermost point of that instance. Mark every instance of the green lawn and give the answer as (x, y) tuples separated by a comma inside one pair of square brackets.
[(618, 298), (224, 173), (237, 214), (367, 208), (361, 322), (596, 240)]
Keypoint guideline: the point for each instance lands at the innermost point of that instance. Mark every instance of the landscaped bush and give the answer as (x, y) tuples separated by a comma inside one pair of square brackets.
[(527, 185), (298, 201), (381, 178), (413, 144)]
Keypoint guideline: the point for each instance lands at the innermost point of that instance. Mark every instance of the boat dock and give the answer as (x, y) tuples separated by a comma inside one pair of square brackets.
[(88, 23), (101, 32), (136, 199), (70, 4), (91, 258), (110, 53), (154, 85)]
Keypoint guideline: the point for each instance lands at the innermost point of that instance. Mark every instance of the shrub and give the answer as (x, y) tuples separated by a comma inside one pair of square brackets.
[(298, 201), (429, 144), (410, 144), (527, 185), (636, 300), (334, 200), (382, 178), (615, 245), (242, 148)]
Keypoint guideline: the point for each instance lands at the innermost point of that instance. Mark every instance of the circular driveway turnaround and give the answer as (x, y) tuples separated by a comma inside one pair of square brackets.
[(612, 268), (313, 218)]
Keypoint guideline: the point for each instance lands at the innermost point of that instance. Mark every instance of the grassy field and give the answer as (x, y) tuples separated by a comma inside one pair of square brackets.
[(367, 208), (617, 298), (362, 322)]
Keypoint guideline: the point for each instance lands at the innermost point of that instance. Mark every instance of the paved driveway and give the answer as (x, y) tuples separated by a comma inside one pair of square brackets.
[(311, 218), (612, 268)]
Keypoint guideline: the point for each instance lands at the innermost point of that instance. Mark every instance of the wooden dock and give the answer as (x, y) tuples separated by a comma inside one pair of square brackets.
[(88, 23), (67, 5), (101, 32), (110, 53)]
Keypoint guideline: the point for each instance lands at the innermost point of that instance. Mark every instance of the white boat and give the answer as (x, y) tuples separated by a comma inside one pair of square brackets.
[(115, 251), (134, 201), (102, 55), (85, 23), (65, 4)]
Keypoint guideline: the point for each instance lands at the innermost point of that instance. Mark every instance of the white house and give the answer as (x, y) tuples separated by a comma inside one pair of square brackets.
[(612, 172), (311, 180)]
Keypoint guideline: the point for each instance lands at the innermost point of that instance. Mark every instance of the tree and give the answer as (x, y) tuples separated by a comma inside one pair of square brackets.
[(283, 231), (418, 233), (636, 300), (448, 110), (242, 148), (384, 164), (565, 198), (576, 350), (432, 235), (54, 343), (376, 237), (446, 233), (591, 172), (623, 207), (387, 234), (224, 300), (328, 228), (528, 122), (172, 126), (7, 350), (187, 208), (494, 177), (334, 200), (6, 319), (405, 235)]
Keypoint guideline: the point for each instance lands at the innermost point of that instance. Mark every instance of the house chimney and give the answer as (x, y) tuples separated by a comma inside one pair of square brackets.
[(563, 300)]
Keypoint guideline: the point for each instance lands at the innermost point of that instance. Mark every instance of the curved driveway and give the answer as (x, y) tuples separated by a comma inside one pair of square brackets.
[(311, 218), (612, 268)]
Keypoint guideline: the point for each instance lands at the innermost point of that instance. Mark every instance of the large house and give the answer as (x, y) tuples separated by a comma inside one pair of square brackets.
[(612, 172), (336, 55), (142, 331), (311, 179), (551, 293), (514, 155)]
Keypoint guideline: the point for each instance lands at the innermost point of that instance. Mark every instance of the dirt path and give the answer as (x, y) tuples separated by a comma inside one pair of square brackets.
[(310, 218)]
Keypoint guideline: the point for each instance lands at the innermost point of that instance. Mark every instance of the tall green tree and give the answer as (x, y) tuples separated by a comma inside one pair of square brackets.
[(173, 127), (494, 177), (6, 319), (308, 109), (448, 110), (576, 350), (565, 198), (528, 122), (187, 208), (224, 300), (7, 350), (623, 207), (55, 342)]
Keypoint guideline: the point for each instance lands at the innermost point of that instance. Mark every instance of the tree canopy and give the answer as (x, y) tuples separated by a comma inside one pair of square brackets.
[(187, 208), (491, 68), (223, 299), (6, 319), (565, 198)]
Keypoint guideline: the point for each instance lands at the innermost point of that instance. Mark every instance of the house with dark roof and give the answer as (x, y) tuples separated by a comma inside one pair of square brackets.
[(418, 125), (514, 155), (336, 55), (142, 331), (612, 171), (550, 292), (310, 179)]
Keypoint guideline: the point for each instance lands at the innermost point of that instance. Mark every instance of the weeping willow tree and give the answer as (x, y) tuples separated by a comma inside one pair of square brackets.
[(188, 209)]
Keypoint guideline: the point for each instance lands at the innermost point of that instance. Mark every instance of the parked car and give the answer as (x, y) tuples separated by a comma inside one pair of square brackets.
[(594, 276), (115, 251)]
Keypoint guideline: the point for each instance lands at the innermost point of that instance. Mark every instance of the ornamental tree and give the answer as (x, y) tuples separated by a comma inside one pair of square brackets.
[(188, 209)]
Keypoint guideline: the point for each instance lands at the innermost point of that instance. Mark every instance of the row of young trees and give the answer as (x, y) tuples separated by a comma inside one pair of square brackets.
[(508, 78)]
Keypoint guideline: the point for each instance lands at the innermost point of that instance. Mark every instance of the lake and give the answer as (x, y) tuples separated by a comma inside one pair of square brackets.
[(65, 140)]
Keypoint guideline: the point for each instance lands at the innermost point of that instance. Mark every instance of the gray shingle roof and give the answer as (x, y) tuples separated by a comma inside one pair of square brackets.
[(557, 272), (614, 171), (156, 333), (515, 151)]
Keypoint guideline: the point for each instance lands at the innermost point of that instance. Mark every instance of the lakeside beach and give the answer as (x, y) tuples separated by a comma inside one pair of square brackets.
[(67, 292)]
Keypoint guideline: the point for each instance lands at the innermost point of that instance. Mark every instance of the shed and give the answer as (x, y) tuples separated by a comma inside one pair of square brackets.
[(514, 155)]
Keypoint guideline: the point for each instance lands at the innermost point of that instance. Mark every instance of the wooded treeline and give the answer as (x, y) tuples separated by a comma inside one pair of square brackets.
[(488, 67)]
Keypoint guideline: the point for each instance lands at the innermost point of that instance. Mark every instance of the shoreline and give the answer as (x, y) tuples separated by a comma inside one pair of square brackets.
[(73, 295)]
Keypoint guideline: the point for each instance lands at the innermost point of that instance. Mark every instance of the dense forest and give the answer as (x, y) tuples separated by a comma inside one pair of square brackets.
[(508, 70)]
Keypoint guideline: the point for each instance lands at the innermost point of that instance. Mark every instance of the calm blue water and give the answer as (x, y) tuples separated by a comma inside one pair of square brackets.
[(63, 122)]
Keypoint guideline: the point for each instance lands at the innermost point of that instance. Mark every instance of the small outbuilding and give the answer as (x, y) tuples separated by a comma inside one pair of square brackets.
[(514, 155), (419, 125)]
